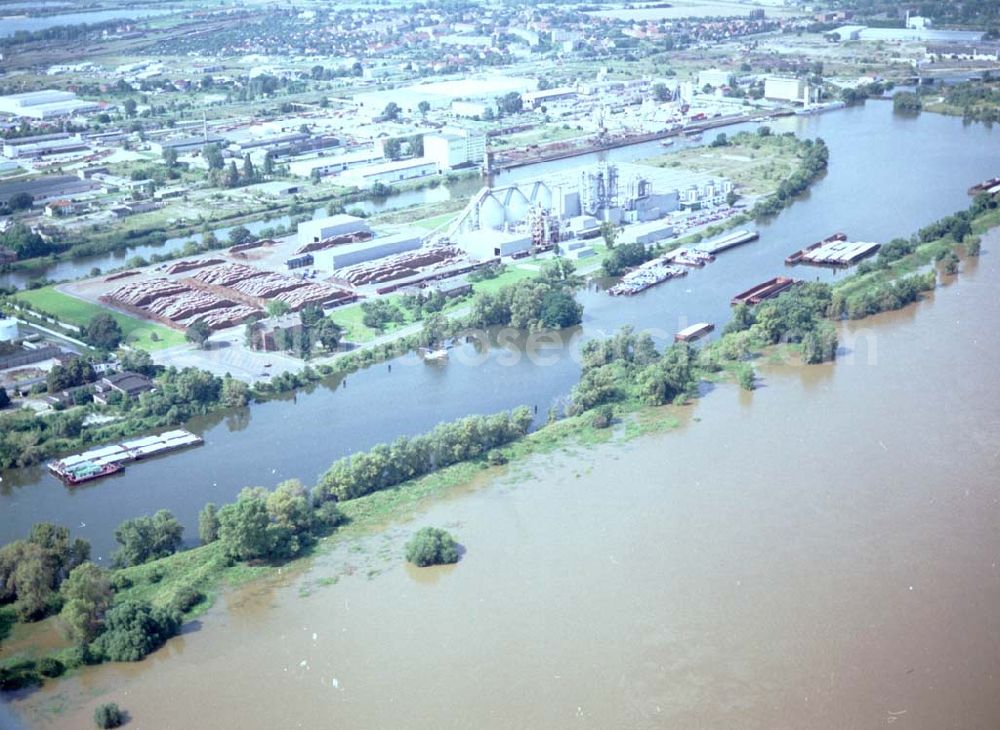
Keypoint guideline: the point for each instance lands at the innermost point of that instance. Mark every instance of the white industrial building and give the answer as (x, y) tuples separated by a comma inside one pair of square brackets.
[(333, 164), (45, 104), (389, 173), (535, 99), (715, 77), (182, 145), (43, 144), (8, 329), (348, 254), (450, 149), (320, 229), (573, 203), (487, 243), (781, 88)]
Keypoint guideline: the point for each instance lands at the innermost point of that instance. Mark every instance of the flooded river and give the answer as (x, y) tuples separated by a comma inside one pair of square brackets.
[(820, 553), (876, 188)]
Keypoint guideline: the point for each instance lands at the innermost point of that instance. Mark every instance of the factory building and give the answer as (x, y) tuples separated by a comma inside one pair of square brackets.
[(455, 149), (572, 205), (535, 99), (715, 77), (186, 144), (781, 88), (389, 173), (8, 329), (43, 144), (47, 187), (333, 164), (487, 243), (348, 254), (45, 104), (320, 229)]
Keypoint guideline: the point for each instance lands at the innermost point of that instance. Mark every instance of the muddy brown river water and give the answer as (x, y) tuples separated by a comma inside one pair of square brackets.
[(820, 553)]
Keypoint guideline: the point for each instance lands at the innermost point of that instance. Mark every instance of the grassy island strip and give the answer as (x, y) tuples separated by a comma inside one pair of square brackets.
[(624, 378)]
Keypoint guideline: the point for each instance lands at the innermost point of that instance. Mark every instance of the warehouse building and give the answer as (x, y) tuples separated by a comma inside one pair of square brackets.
[(487, 243), (781, 88), (186, 144), (48, 187), (450, 149), (715, 77), (320, 229), (333, 164), (348, 254), (45, 104), (43, 144), (389, 173)]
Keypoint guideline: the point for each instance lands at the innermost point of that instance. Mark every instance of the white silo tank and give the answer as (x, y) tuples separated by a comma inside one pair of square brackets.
[(517, 206), (491, 213), (8, 329), (541, 195)]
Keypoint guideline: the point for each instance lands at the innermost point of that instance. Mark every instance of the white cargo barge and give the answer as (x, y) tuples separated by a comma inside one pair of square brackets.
[(729, 241), (120, 454), (840, 253)]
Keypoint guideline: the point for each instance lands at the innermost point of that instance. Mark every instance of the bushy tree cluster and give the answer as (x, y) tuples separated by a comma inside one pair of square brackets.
[(86, 597), (32, 570), (387, 465), (143, 539), (629, 365), (25, 242), (78, 371), (431, 546), (625, 256), (103, 332), (133, 629), (262, 525), (884, 297), (530, 304)]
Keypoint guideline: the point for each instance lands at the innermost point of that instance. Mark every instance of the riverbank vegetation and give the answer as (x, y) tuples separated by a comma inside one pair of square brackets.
[(756, 162), (977, 100)]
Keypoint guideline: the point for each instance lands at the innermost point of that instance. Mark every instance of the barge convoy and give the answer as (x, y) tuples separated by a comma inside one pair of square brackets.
[(834, 250), (725, 243), (797, 256), (694, 332), (991, 186), (108, 460), (649, 274), (764, 290)]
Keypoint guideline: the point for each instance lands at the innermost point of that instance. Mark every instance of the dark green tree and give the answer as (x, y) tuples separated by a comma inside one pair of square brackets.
[(108, 715), (243, 526), (133, 629), (431, 546), (208, 524), (198, 332), (103, 332)]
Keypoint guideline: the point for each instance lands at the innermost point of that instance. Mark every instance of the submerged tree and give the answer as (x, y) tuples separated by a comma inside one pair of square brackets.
[(431, 546)]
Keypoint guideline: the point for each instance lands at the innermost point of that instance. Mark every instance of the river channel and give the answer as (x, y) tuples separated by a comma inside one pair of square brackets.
[(819, 553), (888, 176)]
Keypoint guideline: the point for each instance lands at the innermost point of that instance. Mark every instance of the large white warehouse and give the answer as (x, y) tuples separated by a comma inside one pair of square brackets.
[(45, 104), (317, 230)]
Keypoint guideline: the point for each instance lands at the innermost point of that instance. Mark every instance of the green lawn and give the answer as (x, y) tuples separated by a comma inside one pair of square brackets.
[(138, 333), (512, 275)]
